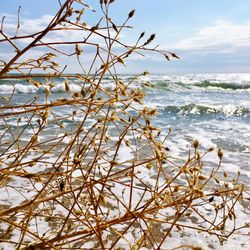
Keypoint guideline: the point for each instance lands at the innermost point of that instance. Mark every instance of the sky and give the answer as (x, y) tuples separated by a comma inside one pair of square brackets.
[(208, 36)]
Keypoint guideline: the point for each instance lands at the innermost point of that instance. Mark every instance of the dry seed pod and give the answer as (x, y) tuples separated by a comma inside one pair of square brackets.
[(195, 144), (151, 38), (167, 57), (120, 60), (61, 185), (92, 29), (197, 248), (76, 95), (211, 199), (131, 13), (175, 56), (211, 149), (83, 92), (66, 85), (141, 35), (202, 177), (220, 153), (78, 50)]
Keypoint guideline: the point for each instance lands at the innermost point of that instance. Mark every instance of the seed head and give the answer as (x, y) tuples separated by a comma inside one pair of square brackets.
[(195, 143), (131, 14), (220, 153), (211, 149), (142, 35)]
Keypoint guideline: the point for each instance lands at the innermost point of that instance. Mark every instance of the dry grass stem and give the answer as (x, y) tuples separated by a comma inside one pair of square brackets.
[(66, 182)]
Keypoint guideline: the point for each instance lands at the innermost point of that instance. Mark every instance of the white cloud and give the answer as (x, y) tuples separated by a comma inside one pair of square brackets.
[(31, 26), (223, 36), (28, 26)]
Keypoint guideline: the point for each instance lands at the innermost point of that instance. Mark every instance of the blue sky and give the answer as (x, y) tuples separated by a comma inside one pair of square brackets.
[(209, 36)]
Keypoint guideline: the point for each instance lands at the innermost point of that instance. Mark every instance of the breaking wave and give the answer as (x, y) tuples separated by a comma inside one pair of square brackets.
[(195, 109), (154, 82)]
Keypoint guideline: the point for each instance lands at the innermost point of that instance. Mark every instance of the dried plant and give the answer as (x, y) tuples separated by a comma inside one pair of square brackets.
[(67, 182)]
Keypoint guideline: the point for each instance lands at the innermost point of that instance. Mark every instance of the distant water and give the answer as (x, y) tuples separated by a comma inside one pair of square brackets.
[(213, 108)]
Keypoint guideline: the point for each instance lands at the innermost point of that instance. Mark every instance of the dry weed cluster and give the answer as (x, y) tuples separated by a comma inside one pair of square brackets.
[(89, 170)]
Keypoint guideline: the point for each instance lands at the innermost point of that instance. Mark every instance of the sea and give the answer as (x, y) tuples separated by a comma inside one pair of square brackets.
[(211, 108)]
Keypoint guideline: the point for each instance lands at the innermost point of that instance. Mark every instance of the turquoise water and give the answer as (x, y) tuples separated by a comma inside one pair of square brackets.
[(213, 108)]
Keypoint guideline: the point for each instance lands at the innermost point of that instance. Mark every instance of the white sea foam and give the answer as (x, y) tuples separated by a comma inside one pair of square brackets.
[(216, 131), (215, 82)]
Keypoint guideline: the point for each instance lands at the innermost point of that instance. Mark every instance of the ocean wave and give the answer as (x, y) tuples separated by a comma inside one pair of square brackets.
[(28, 88), (154, 83), (223, 85), (17, 88), (196, 109), (203, 85)]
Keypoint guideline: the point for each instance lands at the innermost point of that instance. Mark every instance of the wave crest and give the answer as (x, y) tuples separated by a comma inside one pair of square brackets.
[(196, 109)]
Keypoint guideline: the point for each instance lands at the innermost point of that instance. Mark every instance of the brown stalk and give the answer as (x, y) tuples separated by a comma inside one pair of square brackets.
[(74, 181)]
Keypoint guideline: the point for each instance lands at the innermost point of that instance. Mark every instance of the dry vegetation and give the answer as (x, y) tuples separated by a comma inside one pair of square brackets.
[(106, 181)]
